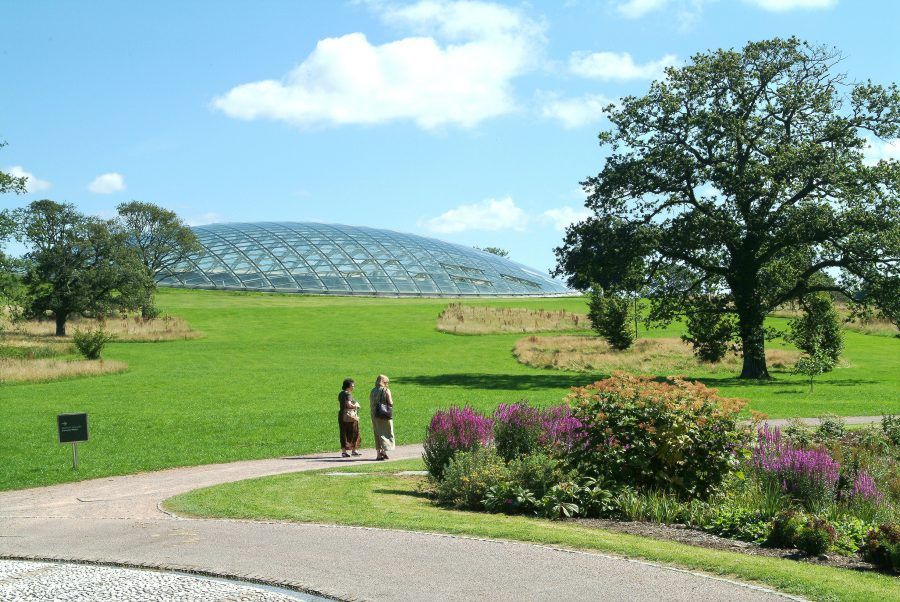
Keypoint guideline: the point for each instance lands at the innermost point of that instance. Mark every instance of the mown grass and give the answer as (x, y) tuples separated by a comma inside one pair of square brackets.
[(264, 378), (383, 499)]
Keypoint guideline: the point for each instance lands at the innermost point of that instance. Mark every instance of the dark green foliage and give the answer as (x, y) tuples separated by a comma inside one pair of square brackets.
[(743, 171), (468, 476), (77, 264), (784, 528), (610, 315), (90, 343), (831, 429), (818, 330), (673, 436), (710, 329), (509, 498), (882, 546), (737, 522), (815, 537), (537, 473), (160, 239)]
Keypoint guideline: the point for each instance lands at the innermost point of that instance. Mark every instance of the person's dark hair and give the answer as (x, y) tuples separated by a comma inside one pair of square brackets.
[(348, 382)]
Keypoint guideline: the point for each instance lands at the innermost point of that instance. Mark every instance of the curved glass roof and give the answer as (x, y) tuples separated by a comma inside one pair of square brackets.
[(346, 260)]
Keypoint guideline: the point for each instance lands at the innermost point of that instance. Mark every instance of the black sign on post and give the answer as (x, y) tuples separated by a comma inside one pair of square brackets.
[(72, 429)]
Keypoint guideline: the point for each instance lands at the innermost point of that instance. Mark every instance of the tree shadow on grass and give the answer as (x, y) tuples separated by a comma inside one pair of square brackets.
[(503, 382), (406, 492)]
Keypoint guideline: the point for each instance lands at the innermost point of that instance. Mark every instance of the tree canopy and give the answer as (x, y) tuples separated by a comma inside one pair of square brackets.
[(743, 174), (77, 264)]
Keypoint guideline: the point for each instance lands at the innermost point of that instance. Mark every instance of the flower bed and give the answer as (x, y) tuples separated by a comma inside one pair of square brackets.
[(635, 449)]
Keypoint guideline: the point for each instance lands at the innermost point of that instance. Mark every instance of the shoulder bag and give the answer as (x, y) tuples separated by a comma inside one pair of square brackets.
[(383, 409)]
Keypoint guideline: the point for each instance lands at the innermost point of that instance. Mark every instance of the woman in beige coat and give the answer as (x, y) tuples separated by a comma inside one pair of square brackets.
[(383, 427)]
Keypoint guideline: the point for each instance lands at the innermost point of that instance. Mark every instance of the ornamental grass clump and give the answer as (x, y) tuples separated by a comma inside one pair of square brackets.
[(673, 435), (808, 475), (452, 431)]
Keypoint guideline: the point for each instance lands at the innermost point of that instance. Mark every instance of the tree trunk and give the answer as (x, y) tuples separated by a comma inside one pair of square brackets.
[(61, 325), (753, 345)]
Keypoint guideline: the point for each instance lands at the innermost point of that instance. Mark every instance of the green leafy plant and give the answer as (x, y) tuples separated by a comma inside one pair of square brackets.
[(831, 428), (561, 501), (818, 329), (784, 528), (812, 365), (674, 435), (90, 343), (509, 499), (890, 424), (538, 473), (467, 478), (610, 316), (882, 546), (710, 329), (815, 537)]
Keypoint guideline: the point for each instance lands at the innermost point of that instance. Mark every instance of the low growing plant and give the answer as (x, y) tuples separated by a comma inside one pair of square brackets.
[(90, 343), (815, 537), (890, 424), (784, 528), (468, 476), (882, 546)]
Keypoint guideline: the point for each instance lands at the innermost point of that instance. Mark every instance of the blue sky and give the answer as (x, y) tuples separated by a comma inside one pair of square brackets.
[(468, 121)]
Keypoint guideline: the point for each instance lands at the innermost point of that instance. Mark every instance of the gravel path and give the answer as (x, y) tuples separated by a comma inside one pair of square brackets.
[(118, 521), (38, 581)]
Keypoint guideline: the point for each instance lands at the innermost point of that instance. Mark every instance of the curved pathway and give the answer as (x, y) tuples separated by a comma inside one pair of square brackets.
[(117, 520)]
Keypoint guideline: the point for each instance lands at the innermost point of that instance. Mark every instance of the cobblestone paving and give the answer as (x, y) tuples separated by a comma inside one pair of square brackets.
[(26, 581)]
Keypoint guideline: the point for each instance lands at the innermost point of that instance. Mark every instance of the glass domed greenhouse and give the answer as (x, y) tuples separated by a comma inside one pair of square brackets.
[(347, 260)]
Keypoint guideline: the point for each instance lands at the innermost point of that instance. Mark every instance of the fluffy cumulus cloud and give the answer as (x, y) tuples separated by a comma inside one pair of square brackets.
[(490, 214), (574, 112), (107, 183), (32, 182), (786, 5), (882, 149), (457, 69), (565, 216), (617, 66)]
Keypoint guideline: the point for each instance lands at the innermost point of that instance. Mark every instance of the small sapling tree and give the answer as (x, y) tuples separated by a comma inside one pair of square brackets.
[(610, 316), (710, 329)]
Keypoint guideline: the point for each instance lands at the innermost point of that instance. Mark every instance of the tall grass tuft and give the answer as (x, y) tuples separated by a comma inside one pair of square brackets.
[(473, 319)]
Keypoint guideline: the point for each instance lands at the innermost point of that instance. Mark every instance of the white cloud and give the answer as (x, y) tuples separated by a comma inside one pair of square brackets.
[(635, 9), (574, 112), (205, 218), (490, 214), (781, 6), (32, 182), (459, 75), (881, 149), (107, 183), (617, 65), (565, 216)]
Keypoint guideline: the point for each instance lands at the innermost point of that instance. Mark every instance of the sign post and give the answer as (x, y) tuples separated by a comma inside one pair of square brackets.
[(72, 429)]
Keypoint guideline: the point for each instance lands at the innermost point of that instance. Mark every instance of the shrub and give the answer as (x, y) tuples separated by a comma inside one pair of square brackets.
[(784, 528), (890, 424), (90, 343), (672, 435), (798, 433), (812, 365), (831, 428), (561, 501), (451, 431), (509, 499), (537, 473), (818, 329), (610, 316), (737, 522), (709, 329), (521, 429), (468, 476), (517, 428), (815, 537), (810, 476), (882, 546)]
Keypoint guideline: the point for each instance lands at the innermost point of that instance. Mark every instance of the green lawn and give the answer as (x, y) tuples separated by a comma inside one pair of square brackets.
[(382, 499), (264, 379)]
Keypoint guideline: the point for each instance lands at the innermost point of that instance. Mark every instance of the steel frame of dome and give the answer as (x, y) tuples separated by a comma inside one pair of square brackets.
[(314, 258)]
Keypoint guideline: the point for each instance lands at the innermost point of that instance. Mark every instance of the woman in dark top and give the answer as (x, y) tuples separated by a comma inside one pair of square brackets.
[(348, 419)]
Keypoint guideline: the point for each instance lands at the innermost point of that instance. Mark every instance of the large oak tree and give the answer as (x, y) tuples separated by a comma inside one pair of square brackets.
[(743, 175)]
